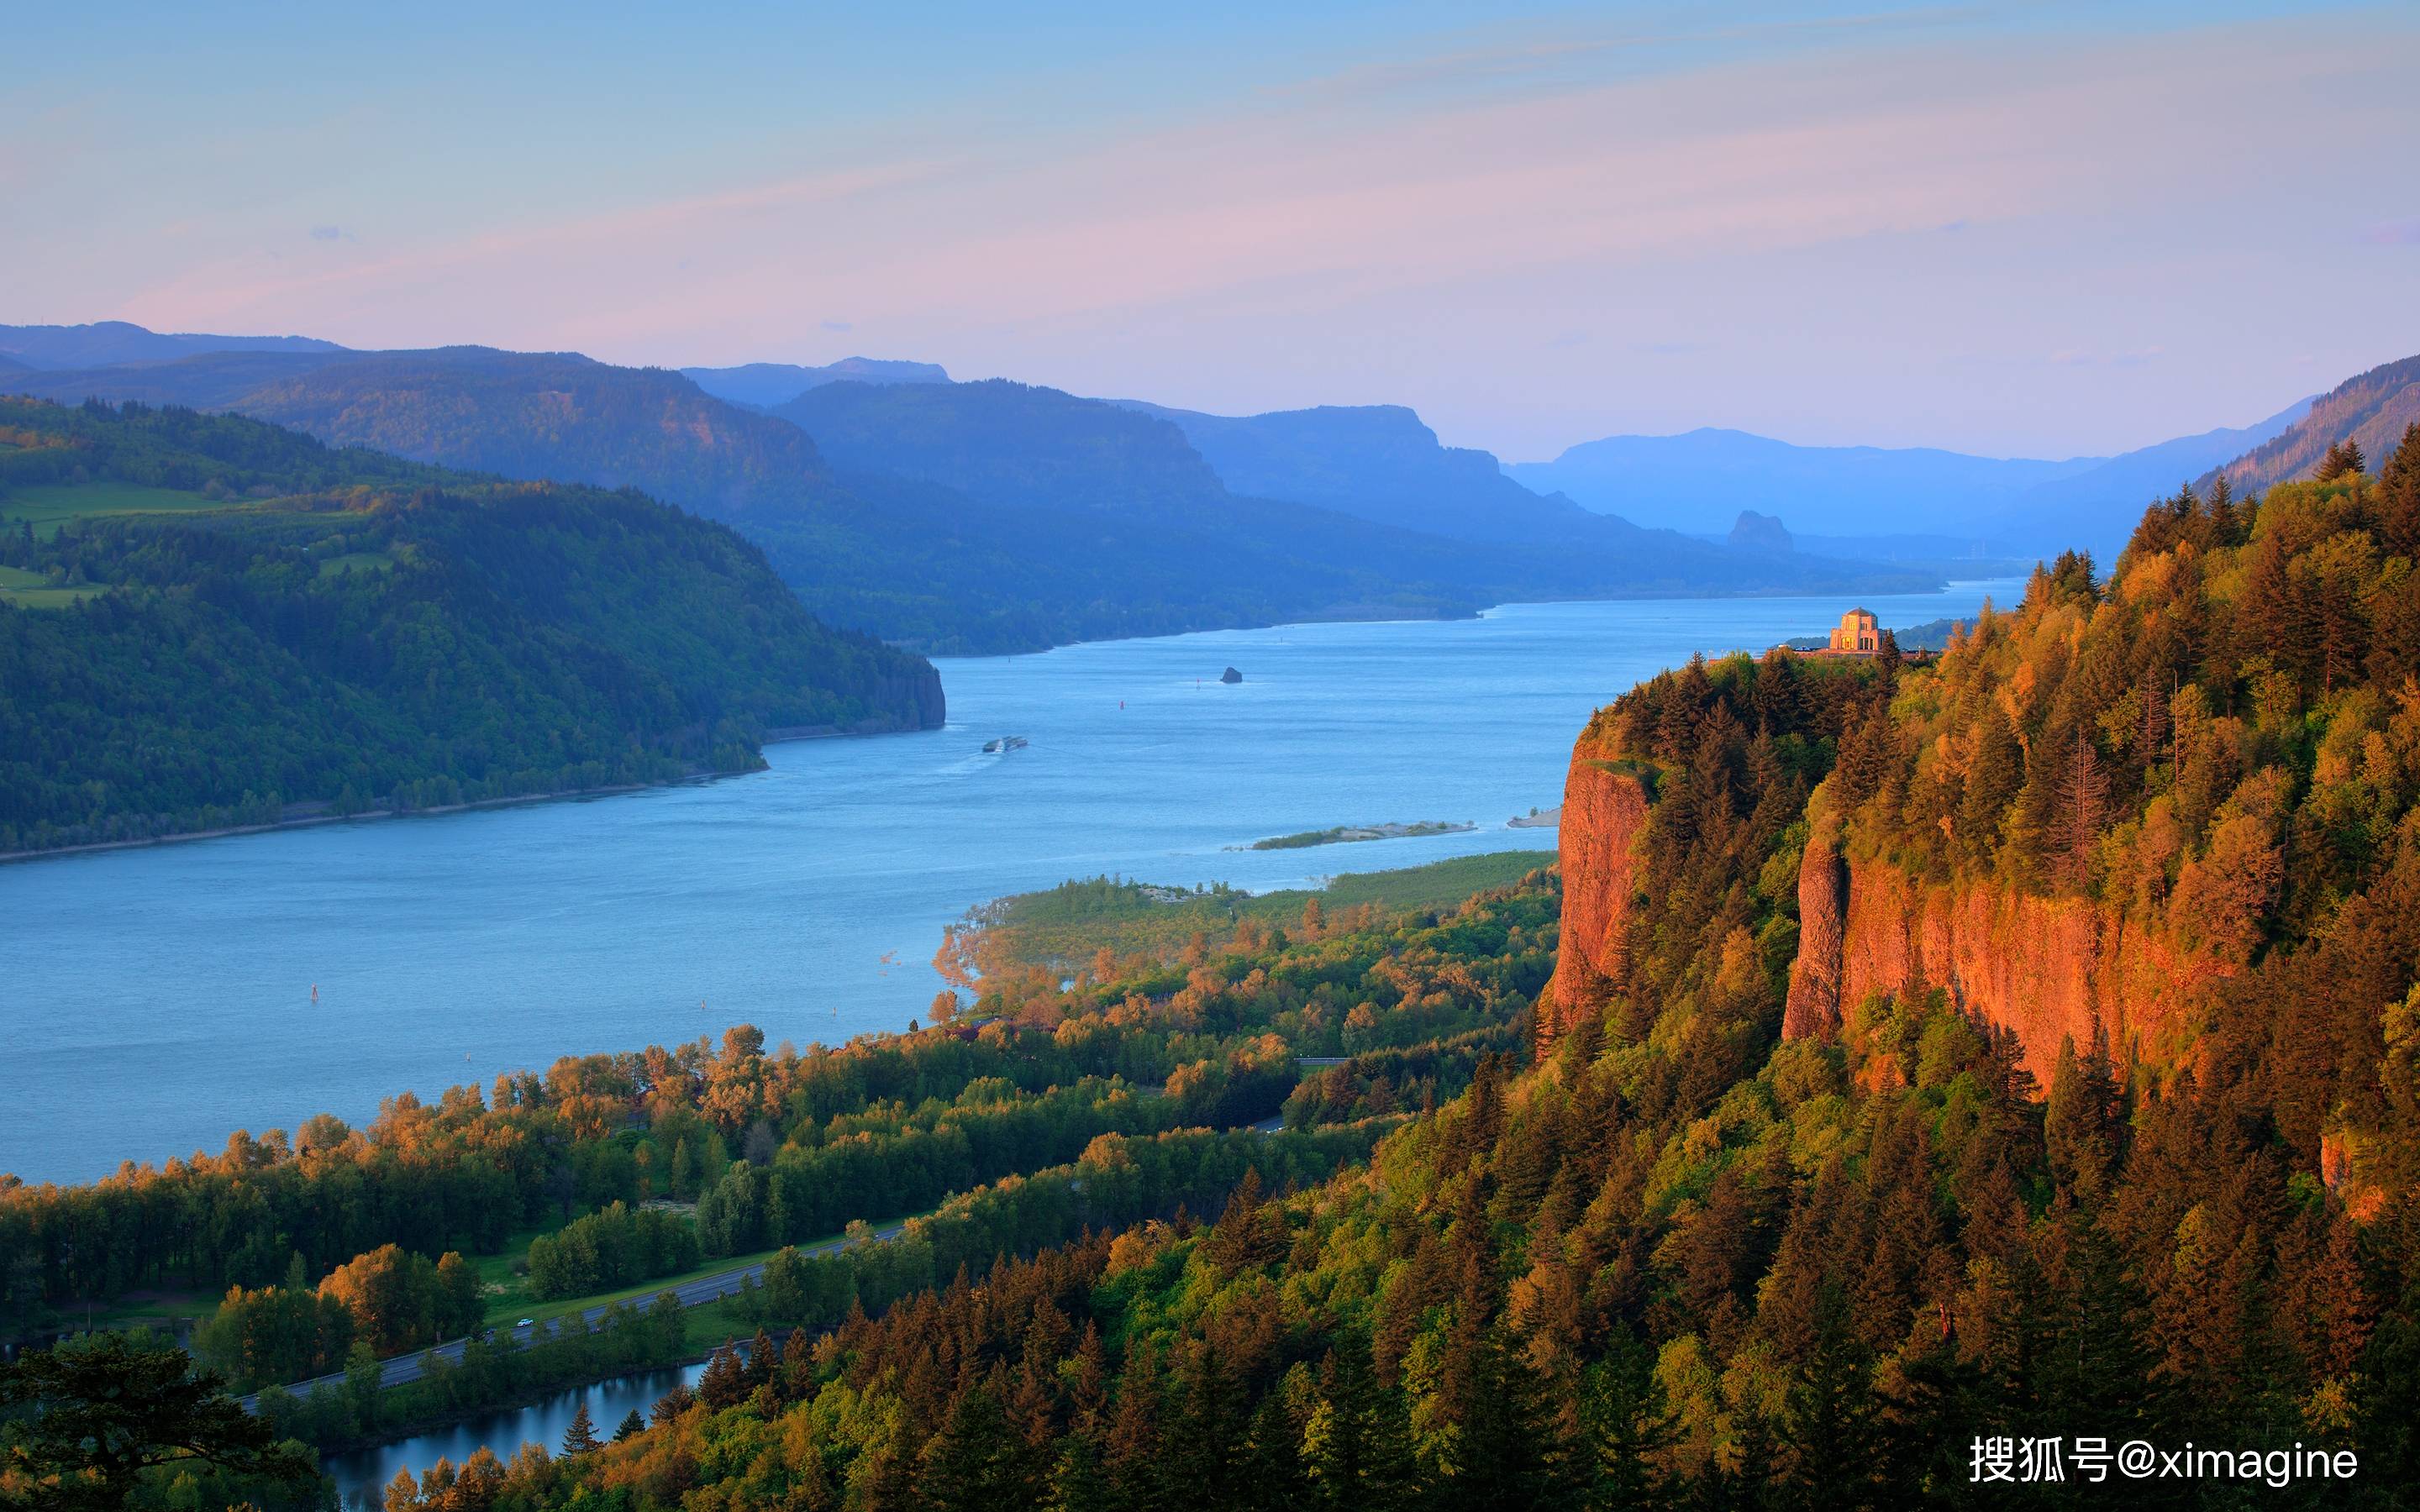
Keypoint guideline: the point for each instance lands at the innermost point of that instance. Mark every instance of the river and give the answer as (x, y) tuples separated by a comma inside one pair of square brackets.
[(158, 999), (361, 1476)]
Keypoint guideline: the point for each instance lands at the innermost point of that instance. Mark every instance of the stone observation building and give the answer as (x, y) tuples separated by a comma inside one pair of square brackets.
[(1857, 634)]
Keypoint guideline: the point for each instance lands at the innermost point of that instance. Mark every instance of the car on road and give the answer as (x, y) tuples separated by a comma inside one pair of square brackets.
[(526, 1322)]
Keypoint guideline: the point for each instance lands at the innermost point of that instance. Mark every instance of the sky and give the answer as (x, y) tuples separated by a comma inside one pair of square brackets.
[(2045, 229)]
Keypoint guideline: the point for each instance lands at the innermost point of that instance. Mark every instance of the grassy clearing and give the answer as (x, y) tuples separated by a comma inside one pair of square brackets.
[(355, 562), (1063, 926), (31, 590), (51, 505), (503, 1313), (151, 1310)]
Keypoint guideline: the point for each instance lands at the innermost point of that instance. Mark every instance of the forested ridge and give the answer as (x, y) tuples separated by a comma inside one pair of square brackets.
[(959, 519), (256, 620), (1647, 1247), (1681, 1259)]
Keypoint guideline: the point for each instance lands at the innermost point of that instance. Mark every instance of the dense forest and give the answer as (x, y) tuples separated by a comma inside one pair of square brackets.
[(1685, 1257), (208, 621), (1668, 1237)]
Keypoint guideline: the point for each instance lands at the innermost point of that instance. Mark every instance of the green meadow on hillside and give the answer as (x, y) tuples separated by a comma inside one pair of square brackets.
[(47, 506)]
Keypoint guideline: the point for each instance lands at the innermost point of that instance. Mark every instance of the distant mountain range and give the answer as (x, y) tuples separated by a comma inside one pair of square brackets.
[(110, 343), (1380, 463), (993, 515), (764, 385), (997, 515), (2371, 410), (1702, 480)]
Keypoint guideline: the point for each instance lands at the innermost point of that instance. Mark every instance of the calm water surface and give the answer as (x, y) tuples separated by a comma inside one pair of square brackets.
[(154, 1000), (361, 1476)]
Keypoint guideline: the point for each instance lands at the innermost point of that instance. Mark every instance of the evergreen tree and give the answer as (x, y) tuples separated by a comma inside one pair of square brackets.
[(2082, 797), (968, 1464), (631, 1424), (1624, 1427), (581, 1436), (2398, 498)]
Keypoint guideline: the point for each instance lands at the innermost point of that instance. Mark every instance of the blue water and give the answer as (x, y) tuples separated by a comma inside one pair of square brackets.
[(361, 1476), (156, 999)]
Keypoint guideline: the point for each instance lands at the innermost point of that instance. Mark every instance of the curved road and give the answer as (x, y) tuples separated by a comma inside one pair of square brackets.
[(403, 1368)]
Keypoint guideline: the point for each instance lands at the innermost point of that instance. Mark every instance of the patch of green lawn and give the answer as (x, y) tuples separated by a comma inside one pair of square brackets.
[(355, 562), (503, 1312), (52, 504), (31, 590), (1063, 926)]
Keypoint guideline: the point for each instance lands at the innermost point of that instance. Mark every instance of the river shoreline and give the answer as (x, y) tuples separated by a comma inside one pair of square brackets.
[(695, 774)]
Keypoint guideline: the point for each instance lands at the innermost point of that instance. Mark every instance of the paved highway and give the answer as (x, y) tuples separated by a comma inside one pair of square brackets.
[(403, 1368)]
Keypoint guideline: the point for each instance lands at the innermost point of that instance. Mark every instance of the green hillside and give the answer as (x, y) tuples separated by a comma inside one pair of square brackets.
[(212, 621), (969, 518), (2371, 410)]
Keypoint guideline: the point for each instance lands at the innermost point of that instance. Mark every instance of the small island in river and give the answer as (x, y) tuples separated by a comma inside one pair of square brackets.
[(1346, 834)]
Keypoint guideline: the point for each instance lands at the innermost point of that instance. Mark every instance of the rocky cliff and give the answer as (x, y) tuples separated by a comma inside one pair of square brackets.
[(1605, 808), (2049, 968)]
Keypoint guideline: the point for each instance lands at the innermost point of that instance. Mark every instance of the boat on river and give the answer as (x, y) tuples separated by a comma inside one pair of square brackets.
[(1004, 744)]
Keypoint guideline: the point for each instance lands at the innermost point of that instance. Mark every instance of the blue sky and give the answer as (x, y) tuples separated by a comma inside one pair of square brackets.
[(2020, 229)]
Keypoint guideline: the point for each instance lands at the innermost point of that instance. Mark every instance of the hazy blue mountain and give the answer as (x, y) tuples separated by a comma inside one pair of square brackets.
[(963, 517), (111, 343), (1753, 532), (1378, 462), (2372, 410), (2098, 509), (1702, 480), (519, 414), (1008, 443), (1368, 486), (1853, 497), (211, 381), (767, 384)]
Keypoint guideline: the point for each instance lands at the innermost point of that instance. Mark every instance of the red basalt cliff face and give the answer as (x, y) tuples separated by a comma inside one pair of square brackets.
[(2049, 968), (1603, 811)]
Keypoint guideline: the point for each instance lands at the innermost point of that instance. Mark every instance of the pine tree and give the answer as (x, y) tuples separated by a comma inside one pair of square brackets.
[(2398, 498), (2225, 522), (671, 1404), (965, 1465), (1355, 1449), (1994, 776), (725, 1381), (2082, 797), (2343, 459), (581, 1436), (631, 1424), (1624, 1427)]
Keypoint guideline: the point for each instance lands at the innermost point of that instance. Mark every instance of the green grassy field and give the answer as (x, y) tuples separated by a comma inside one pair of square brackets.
[(356, 562), (1063, 926), (51, 505), (31, 590), (518, 1307)]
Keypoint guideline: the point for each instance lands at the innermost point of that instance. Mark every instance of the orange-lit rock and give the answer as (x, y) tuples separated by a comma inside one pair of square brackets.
[(1813, 1010), (2047, 967), (1603, 811)]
